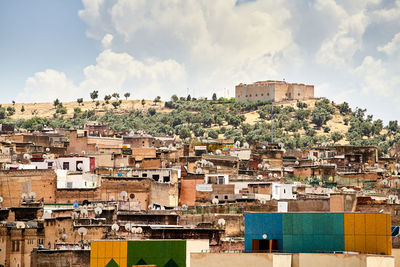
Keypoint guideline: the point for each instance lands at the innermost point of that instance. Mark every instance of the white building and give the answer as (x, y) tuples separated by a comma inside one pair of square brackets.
[(77, 180), (216, 179), (282, 191)]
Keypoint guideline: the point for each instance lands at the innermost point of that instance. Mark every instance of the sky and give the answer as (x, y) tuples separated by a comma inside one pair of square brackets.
[(350, 50)]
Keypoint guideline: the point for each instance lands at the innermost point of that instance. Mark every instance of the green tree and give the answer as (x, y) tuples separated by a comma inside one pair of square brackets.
[(127, 95), (115, 95), (143, 102), (56, 103), (13, 102), (80, 101), (302, 114), (214, 97), (184, 133), (157, 99), (152, 111), (94, 95), (344, 108), (174, 98), (188, 98), (107, 98), (336, 136), (10, 111), (97, 104), (212, 134), (116, 104), (22, 109)]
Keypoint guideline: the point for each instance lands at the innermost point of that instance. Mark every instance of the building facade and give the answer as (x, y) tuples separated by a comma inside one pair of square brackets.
[(274, 91)]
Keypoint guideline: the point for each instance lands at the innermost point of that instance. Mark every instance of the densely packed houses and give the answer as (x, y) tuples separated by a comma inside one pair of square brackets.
[(65, 194)]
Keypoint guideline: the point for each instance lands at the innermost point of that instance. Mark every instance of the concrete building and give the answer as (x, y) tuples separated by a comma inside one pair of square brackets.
[(274, 91)]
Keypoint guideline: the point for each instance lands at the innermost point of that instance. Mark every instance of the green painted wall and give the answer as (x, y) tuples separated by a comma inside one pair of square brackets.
[(166, 253)]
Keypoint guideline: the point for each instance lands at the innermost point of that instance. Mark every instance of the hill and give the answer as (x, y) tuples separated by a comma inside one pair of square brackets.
[(296, 124)]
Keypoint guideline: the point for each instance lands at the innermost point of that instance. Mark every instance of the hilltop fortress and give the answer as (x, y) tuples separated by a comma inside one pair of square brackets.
[(275, 91)]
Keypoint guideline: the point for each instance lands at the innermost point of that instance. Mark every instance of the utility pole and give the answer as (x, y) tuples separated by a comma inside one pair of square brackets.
[(272, 123)]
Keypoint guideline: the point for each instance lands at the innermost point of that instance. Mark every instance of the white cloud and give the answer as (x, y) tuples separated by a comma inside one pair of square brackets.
[(47, 86), (219, 44), (392, 47), (377, 79), (113, 72), (107, 41), (338, 50), (120, 72)]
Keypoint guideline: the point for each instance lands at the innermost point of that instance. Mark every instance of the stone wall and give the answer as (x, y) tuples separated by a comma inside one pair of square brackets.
[(15, 182)]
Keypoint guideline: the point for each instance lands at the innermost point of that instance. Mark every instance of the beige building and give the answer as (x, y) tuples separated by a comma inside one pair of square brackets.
[(275, 91)]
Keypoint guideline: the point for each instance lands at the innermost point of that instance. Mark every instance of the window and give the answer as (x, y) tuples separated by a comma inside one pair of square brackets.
[(144, 174), (49, 164), (77, 163), (167, 179), (262, 94), (256, 94), (267, 94), (250, 95), (40, 241), (65, 165), (225, 197), (15, 245), (284, 191), (220, 179), (156, 177)]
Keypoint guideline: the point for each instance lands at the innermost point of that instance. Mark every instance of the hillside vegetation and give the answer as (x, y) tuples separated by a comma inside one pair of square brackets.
[(296, 124)]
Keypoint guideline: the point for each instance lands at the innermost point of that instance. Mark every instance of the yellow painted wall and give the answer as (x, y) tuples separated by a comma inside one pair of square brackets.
[(102, 252), (367, 233)]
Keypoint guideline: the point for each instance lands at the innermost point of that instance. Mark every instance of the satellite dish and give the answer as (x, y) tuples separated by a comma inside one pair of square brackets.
[(297, 162), (263, 201), (100, 205), (82, 231), (319, 177), (246, 145), (74, 215), (98, 211), (24, 196), (218, 152), (27, 156), (221, 222), (199, 171), (128, 227), (123, 194), (132, 196), (139, 230), (384, 182), (137, 165), (215, 201), (32, 195), (264, 236), (64, 237), (112, 198), (83, 152), (260, 166), (84, 212), (259, 177), (75, 205), (237, 143), (275, 175), (270, 174), (47, 149), (115, 227), (20, 225), (80, 166), (1, 199)]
